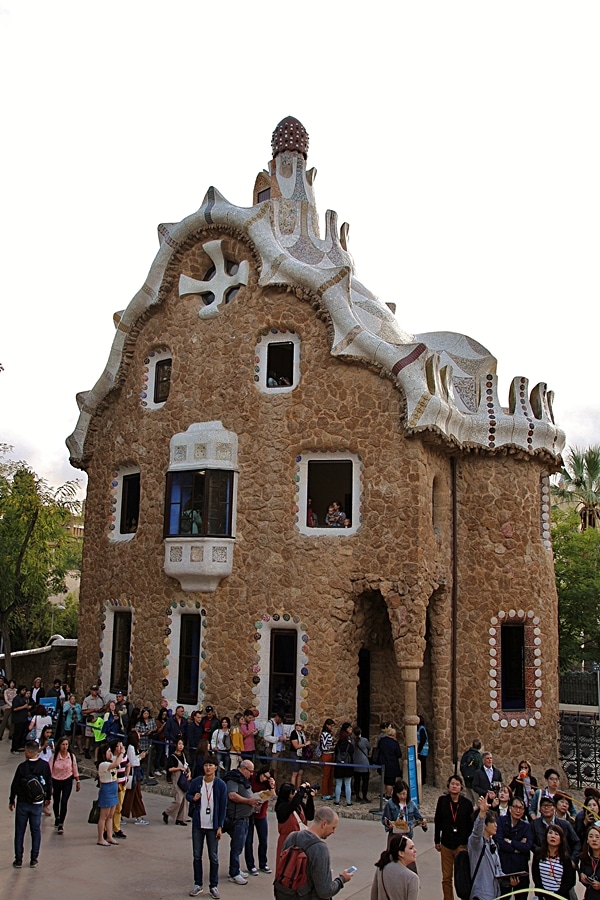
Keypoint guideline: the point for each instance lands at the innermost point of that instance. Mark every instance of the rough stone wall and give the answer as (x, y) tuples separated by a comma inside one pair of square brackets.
[(402, 552), (503, 568)]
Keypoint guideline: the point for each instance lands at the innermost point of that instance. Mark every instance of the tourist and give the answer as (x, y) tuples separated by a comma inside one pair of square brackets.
[(294, 809), (343, 756), (401, 814), (325, 754), (178, 766), (396, 878), (453, 823), (261, 781), (108, 793), (552, 869), (362, 749), (31, 789), (207, 796)]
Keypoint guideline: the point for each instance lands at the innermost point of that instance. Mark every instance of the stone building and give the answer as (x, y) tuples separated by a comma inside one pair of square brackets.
[(252, 382)]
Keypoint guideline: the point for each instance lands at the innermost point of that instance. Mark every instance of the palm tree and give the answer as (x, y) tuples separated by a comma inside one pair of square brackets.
[(580, 484)]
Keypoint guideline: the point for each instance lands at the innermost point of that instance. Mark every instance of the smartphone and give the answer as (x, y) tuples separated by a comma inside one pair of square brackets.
[(351, 870)]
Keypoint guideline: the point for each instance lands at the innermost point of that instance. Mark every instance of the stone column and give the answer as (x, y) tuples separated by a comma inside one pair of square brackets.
[(410, 677)]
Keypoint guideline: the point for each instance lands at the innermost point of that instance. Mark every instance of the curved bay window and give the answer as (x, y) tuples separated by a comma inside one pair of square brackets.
[(199, 502)]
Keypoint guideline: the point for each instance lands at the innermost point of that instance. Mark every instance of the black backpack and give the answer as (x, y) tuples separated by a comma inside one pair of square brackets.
[(463, 880), (33, 788), (469, 765)]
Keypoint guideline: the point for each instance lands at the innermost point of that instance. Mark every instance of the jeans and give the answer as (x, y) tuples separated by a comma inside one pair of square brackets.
[(262, 830), (238, 834), (61, 791), (347, 788), (212, 844), (24, 813)]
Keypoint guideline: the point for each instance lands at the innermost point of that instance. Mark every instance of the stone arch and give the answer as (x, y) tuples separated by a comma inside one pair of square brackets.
[(374, 635)]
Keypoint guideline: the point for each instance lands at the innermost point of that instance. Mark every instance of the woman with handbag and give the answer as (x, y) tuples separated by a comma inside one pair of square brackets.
[(393, 879), (179, 768), (107, 797)]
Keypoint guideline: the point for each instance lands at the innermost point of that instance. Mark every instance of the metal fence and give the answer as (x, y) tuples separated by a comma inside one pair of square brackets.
[(579, 688), (579, 748)]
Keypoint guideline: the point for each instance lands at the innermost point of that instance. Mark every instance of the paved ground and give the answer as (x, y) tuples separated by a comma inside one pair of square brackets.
[(156, 861)]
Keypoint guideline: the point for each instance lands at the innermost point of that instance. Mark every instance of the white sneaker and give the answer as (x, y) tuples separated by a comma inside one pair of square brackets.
[(238, 879), (140, 822)]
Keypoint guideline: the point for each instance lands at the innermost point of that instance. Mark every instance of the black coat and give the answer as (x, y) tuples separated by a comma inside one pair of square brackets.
[(481, 783)]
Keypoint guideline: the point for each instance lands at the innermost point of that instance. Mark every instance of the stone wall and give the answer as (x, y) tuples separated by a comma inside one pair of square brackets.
[(59, 660)]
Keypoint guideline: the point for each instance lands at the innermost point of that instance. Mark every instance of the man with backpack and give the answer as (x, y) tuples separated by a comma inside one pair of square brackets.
[(470, 762), (32, 789), (304, 868)]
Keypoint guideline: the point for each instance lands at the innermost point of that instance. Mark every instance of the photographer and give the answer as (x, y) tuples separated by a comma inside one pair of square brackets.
[(488, 777), (292, 808)]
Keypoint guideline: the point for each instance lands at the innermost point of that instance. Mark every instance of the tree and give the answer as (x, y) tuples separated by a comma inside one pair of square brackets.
[(577, 571), (35, 551), (580, 484)]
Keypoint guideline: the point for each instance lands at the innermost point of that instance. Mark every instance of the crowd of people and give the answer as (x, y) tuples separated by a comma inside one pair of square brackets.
[(224, 775)]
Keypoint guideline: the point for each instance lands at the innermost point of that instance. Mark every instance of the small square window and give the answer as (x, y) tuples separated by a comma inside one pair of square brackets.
[(329, 494), (280, 364)]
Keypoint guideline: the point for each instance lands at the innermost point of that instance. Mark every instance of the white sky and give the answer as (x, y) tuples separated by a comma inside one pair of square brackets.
[(460, 140)]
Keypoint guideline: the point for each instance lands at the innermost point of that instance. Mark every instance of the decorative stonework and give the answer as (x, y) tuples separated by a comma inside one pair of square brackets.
[(284, 232), (106, 640), (545, 507), (149, 377), (262, 648), (220, 286), (116, 496), (171, 641), (533, 673), (200, 563)]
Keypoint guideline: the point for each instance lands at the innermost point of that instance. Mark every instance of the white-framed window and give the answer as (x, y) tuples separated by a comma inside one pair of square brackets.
[(284, 668), (328, 488), (116, 646), (156, 382), (125, 503), (186, 662), (277, 362)]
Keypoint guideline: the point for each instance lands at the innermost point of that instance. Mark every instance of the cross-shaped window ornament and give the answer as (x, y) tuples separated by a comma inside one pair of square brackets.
[(220, 285)]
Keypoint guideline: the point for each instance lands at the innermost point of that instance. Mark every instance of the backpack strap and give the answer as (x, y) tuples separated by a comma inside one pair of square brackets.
[(479, 862)]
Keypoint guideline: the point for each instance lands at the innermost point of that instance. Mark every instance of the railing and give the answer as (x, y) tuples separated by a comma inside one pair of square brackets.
[(579, 748), (579, 689)]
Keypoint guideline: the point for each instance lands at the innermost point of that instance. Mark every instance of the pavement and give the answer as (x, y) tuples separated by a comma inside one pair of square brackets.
[(155, 861)]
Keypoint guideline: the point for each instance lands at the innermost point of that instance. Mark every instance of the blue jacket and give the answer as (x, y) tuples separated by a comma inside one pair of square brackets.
[(412, 815), (219, 800), (514, 856)]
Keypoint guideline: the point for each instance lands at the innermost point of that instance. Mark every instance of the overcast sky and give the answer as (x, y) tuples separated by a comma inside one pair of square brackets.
[(460, 140)]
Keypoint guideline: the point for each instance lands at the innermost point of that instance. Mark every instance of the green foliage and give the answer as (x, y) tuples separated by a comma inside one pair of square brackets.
[(577, 571), (580, 484), (66, 620), (36, 551)]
